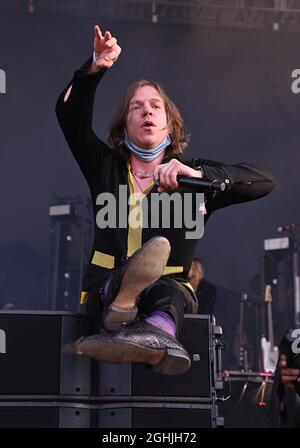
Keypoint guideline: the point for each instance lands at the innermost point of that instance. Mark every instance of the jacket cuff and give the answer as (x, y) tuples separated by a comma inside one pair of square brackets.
[(82, 73)]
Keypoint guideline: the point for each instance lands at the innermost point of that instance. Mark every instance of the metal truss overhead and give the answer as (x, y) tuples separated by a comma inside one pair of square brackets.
[(274, 14)]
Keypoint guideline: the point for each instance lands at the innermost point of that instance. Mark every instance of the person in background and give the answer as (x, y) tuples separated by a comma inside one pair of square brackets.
[(283, 409), (288, 375)]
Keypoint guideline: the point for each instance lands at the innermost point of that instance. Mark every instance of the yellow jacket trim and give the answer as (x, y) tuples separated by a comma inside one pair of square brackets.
[(172, 270), (134, 239), (189, 285), (84, 297), (103, 260)]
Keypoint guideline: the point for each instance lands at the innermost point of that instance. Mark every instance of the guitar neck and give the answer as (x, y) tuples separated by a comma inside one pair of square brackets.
[(270, 324)]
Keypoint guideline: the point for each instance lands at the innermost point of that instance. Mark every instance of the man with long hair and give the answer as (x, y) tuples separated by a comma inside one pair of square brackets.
[(136, 287)]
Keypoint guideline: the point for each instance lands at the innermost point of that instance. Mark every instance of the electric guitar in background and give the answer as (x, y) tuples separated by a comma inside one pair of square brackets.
[(270, 352)]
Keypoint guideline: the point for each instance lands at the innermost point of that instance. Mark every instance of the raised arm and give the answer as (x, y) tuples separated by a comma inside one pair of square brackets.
[(74, 108)]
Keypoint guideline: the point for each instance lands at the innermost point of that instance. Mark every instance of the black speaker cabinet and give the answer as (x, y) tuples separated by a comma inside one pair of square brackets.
[(158, 415), (36, 357), (45, 384), (39, 414), (44, 415), (197, 336)]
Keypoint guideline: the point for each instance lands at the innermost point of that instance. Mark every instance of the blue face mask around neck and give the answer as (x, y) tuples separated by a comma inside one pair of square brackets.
[(147, 155)]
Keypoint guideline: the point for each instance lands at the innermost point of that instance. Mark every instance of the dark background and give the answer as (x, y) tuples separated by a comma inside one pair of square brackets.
[(233, 87)]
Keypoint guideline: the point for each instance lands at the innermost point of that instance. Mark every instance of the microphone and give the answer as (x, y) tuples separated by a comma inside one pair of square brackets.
[(286, 227), (202, 185)]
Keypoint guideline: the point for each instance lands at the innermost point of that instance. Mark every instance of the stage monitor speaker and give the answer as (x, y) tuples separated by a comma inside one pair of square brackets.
[(159, 415), (44, 415), (197, 336), (36, 357)]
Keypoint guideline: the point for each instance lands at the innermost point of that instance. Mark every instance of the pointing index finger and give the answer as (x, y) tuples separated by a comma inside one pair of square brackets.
[(98, 32)]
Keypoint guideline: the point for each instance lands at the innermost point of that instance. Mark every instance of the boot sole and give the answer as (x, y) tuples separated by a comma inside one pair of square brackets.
[(145, 268), (165, 361), (118, 352)]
